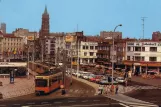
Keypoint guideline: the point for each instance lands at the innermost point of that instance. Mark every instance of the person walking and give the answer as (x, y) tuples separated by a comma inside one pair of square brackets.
[(130, 75), (117, 88)]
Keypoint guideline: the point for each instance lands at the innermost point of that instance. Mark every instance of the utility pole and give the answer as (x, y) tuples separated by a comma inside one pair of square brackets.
[(143, 19), (78, 59), (64, 65), (71, 64), (34, 49)]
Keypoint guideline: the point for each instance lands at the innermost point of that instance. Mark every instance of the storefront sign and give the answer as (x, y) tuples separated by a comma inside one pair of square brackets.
[(149, 44), (136, 53), (130, 44)]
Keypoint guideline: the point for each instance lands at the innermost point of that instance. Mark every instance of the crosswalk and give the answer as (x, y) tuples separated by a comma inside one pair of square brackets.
[(80, 91), (130, 102), (123, 89)]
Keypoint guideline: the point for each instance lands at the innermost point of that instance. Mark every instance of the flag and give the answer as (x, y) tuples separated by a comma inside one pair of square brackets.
[(14, 52)]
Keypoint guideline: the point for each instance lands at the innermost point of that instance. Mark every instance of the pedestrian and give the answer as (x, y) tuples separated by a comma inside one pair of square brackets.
[(101, 89), (130, 75), (125, 82), (117, 88)]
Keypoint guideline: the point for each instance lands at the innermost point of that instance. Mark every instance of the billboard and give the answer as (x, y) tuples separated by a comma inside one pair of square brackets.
[(30, 37), (69, 38)]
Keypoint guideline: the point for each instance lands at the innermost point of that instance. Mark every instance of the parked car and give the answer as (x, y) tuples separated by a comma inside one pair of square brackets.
[(120, 79)]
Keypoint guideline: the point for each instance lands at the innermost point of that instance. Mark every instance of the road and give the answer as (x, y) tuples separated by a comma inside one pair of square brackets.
[(78, 89), (97, 101), (150, 95)]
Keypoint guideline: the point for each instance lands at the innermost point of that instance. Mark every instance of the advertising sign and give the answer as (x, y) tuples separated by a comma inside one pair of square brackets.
[(12, 77), (30, 38), (69, 38)]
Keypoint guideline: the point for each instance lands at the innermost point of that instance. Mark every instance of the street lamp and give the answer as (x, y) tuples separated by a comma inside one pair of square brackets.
[(113, 52)]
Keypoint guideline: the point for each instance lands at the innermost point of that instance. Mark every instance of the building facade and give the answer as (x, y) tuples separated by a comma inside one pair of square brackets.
[(12, 47), (143, 55), (88, 52), (156, 36), (3, 28), (110, 35)]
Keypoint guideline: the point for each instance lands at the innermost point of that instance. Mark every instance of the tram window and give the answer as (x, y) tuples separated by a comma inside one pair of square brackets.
[(54, 80), (41, 82)]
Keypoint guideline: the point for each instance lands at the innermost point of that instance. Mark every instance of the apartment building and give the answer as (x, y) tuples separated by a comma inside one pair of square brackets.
[(11, 47), (141, 55), (88, 52)]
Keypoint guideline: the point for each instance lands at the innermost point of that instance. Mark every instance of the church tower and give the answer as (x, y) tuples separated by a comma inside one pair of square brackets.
[(45, 23)]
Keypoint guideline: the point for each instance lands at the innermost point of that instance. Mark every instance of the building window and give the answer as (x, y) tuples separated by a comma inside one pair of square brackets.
[(143, 58), (143, 48), (138, 49), (84, 47), (91, 47), (96, 47), (128, 57), (91, 53), (52, 45), (85, 53), (128, 49), (153, 49), (137, 58), (152, 59)]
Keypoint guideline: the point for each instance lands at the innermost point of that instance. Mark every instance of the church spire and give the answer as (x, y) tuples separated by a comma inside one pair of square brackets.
[(45, 11)]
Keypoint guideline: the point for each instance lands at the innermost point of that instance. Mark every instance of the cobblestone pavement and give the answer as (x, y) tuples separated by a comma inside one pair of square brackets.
[(21, 86)]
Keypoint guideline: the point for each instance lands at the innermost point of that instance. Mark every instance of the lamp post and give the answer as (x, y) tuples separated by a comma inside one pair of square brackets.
[(78, 60), (113, 46)]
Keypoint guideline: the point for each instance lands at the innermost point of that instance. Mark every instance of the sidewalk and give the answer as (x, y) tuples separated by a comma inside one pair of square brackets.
[(153, 82), (21, 86)]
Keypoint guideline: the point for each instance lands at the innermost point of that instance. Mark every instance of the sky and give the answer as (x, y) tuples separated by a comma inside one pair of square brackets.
[(91, 16)]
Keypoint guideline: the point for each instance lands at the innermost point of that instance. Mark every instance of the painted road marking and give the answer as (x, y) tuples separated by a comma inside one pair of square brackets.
[(124, 105), (44, 102), (96, 100), (31, 103), (57, 102), (16, 104), (2, 105), (71, 101), (91, 105), (85, 101)]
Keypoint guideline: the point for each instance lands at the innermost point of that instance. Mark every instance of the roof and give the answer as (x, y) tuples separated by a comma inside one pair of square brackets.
[(10, 36), (1, 33)]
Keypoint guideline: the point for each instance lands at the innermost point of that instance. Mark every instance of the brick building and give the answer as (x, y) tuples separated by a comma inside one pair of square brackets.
[(156, 36), (109, 35), (3, 28)]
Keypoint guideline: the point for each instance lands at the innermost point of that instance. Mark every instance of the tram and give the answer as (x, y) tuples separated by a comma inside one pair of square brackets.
[(47, 82)]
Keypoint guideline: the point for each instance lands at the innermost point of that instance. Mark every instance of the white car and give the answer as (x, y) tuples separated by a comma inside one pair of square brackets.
[(120, 79)]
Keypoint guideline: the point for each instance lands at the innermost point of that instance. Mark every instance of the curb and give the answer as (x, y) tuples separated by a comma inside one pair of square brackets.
[(87, 82)]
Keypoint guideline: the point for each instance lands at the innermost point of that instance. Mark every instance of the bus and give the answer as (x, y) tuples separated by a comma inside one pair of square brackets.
[(47, 82)]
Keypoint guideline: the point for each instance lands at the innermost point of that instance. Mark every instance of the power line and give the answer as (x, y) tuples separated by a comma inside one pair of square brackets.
[(143, 19)]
